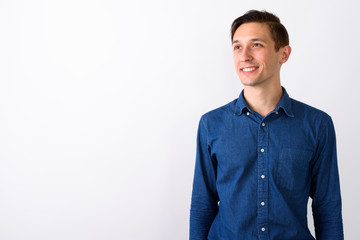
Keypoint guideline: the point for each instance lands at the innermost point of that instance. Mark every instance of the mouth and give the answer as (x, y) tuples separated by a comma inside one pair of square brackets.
[(248, 69)]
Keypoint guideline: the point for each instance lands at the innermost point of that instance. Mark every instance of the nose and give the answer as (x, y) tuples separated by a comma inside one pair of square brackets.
[(245, 55)]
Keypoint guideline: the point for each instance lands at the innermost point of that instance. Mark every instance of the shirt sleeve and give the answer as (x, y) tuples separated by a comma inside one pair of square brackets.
[(325, 187), (204, 200)]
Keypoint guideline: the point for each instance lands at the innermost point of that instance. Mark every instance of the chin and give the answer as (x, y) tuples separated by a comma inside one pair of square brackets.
[(249, 83)]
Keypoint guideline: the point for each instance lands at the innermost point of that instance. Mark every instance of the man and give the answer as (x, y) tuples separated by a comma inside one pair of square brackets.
[(260, 157)]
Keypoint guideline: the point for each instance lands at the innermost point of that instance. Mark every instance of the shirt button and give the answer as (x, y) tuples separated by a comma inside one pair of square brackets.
[(263, 124), (262, 150), (263, 176), (248, 113), (276, 112), (262, 203), (263, 229)]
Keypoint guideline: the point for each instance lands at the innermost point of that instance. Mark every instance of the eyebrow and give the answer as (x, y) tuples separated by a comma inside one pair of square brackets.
[(251, 40)]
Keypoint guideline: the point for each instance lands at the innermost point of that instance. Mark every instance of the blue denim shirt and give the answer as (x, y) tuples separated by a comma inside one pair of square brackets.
[(254, 175)]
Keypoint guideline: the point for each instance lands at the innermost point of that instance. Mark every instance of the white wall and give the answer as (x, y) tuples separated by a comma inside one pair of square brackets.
[(100, 101)]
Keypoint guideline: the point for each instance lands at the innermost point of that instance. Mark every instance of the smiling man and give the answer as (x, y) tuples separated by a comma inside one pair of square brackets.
[(260, 157)]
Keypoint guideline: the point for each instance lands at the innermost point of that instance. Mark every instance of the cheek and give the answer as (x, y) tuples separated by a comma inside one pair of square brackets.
[(270, 59), (236, 60), (236, 63)]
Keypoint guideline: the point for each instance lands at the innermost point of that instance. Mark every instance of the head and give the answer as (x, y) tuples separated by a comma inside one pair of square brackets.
[(260, 47), (277, 30)]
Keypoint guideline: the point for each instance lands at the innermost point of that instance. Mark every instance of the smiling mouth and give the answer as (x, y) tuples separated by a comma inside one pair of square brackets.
[(248, 69)]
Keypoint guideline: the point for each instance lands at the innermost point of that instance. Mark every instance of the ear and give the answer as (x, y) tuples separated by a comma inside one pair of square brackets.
[(284, 54)]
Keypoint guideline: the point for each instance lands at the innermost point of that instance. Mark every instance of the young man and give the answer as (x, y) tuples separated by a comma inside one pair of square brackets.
[(261, 156)]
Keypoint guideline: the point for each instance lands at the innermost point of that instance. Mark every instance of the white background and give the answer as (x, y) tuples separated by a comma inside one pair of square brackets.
[(100, 102)]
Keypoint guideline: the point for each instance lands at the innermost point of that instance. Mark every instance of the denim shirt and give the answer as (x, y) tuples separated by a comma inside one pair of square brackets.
[(254, 175)]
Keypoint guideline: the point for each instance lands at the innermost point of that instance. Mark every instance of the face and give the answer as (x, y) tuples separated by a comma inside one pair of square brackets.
[(256, 61)]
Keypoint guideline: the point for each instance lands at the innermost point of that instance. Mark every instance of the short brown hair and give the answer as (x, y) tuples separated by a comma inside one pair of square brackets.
[(277, 30)]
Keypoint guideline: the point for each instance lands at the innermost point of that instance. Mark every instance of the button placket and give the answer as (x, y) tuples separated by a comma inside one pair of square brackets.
[(262, 180)]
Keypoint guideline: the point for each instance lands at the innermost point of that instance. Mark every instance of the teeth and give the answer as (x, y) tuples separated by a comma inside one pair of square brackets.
[(248, 69)]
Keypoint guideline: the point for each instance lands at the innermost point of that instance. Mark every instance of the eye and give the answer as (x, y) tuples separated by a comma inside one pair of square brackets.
[(257, 45), (237, 47)]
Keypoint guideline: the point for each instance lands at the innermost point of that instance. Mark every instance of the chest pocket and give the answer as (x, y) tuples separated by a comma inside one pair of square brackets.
[(291, 170)]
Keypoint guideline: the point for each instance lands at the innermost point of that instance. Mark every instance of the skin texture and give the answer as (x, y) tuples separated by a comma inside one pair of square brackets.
[(254, 50)]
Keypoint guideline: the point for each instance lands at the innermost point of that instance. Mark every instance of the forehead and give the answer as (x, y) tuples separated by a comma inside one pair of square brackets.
[(252, 30)]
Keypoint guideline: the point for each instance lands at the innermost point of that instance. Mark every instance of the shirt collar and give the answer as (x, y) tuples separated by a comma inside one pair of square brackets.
[(285, 104)]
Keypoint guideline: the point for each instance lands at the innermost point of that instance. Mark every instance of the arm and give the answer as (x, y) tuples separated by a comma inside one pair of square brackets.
[(204, 201), (325, 187)]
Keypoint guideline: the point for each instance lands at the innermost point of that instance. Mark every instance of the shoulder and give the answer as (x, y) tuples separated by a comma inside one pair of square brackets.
[(306, 112), (307, 109), (220, 113)]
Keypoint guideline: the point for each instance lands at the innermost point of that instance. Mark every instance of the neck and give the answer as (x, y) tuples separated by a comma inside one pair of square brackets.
[(263, 100)]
